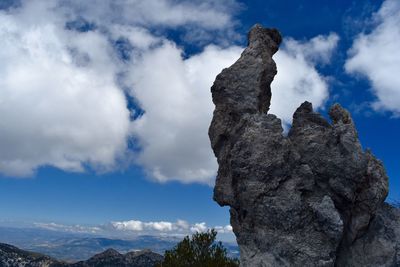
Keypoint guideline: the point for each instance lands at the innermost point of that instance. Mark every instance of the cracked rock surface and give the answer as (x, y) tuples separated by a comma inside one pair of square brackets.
[(313, 197)]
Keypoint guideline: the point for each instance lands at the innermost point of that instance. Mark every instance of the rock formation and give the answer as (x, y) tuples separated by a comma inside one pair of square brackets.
[(311, 198)]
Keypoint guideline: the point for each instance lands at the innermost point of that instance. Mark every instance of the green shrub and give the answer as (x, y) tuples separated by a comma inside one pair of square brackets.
[(200, 250)]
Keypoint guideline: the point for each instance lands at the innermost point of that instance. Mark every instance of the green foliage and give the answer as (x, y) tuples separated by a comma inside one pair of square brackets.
[(200, 250)]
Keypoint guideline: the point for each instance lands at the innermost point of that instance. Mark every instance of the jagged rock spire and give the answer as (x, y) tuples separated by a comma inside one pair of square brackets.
[(306, 199)]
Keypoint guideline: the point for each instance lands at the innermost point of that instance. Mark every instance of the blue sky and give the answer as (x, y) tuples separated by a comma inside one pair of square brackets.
[(106, 106)]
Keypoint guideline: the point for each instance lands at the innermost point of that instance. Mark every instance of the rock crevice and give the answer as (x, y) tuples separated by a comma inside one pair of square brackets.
[(311, 198)]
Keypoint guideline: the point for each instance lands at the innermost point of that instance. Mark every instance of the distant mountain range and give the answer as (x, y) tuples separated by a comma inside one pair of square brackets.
[(74, 247), (11, 256)]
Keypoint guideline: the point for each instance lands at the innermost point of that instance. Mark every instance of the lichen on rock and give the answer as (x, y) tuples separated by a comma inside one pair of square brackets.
[(311, 198)]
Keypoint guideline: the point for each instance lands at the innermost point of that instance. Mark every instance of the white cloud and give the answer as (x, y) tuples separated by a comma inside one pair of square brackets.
[(227, 229), (149, 227), (175, 94), (178, 227), (208, 14), (63, 104), (69, 228), (181, 224), (131, 225), (376, 55), (298, 79), (160, 226), (199, 227), (132, 228), (139, 227), (60, 101), (316, 50), (58, 108), (140, 38)]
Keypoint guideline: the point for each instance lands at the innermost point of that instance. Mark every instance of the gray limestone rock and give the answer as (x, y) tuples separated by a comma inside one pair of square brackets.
[(311, 198)]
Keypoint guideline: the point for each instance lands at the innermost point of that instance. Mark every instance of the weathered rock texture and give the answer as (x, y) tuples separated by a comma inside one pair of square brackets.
[(311, 198)]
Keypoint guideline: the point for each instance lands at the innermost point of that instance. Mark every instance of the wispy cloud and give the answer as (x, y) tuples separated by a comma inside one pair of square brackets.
[(70, 228), (206, 14), (376, 56)]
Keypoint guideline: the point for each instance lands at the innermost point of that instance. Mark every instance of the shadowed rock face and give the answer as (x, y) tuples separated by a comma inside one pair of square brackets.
[(311, 198)]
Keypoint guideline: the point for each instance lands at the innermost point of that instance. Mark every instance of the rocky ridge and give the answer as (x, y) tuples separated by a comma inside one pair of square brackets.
[(11, 256), (311, 198), (111, 257)]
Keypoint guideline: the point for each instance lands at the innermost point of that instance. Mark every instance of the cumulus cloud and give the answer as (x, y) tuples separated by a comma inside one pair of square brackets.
[(178, 227), (161, 226), (316, 50), (134, 228), (376, 55), (298, 79), (131, 225), (202, 227), (224, 229), (61, 99), (175, 94), (59, 102), (199, 227), (68, 67)]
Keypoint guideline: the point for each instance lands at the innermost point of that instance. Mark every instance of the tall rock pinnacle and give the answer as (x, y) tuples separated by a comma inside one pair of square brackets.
[(311, 198)]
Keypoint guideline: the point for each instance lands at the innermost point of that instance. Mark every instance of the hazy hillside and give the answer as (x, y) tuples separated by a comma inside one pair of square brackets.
[(76, 247)]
